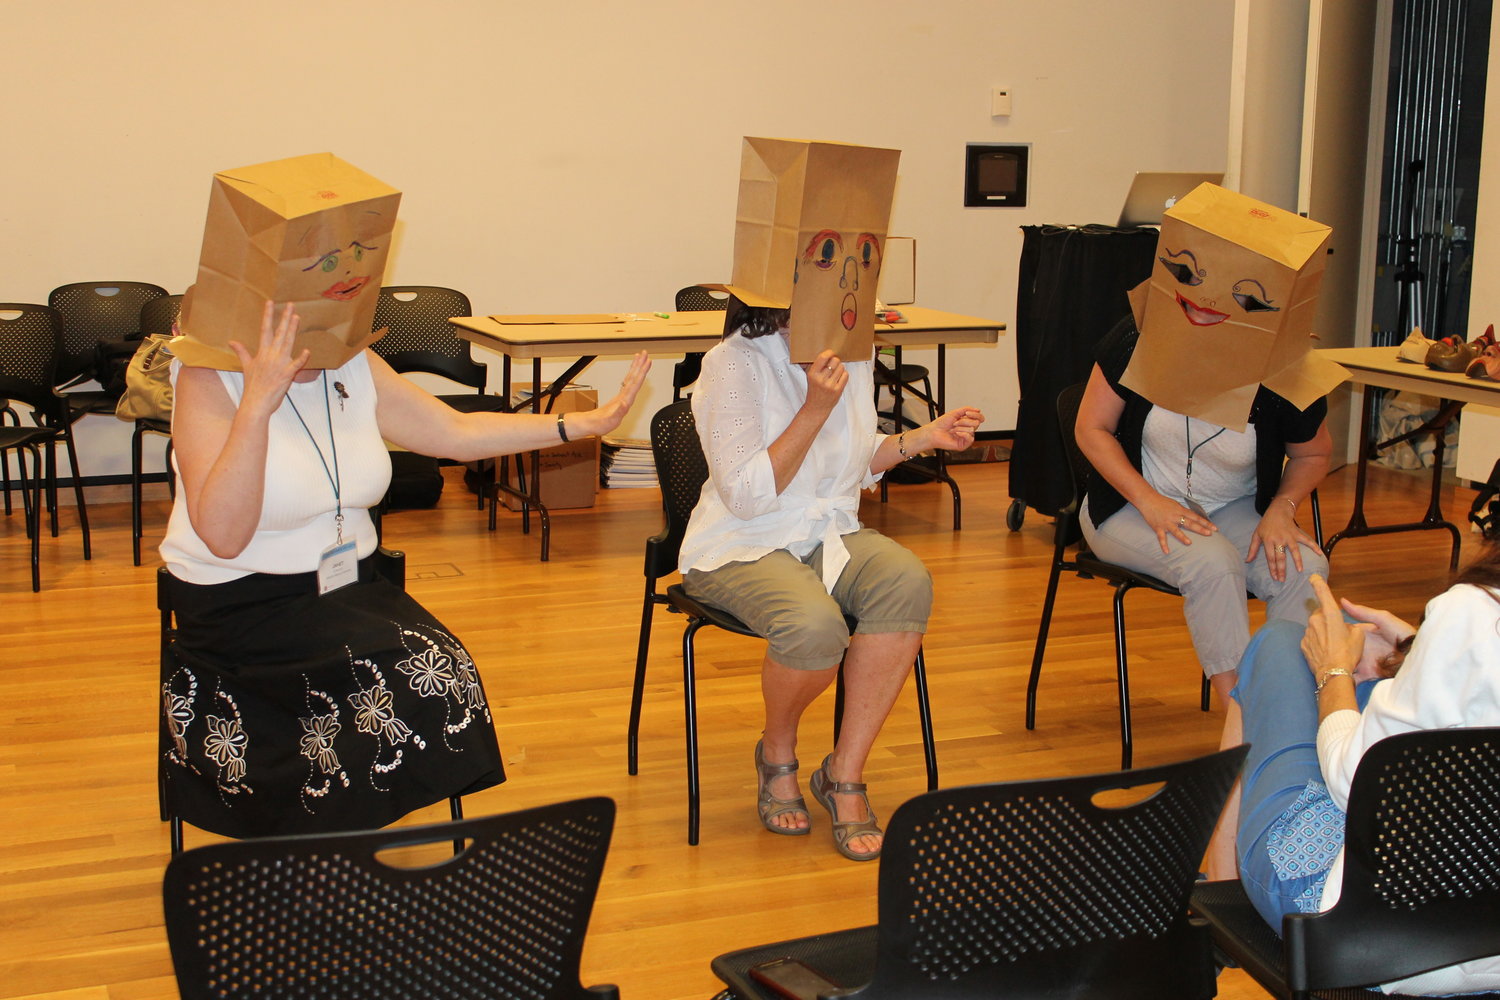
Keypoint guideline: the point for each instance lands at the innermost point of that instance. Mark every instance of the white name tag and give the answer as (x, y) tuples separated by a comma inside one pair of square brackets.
[(338, 567)]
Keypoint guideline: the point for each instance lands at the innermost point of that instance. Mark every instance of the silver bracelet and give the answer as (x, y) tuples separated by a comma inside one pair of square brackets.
[(1333, 672), (901, 444)]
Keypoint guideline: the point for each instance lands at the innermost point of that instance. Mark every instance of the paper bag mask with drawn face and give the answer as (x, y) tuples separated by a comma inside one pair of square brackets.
[(311, 230), (1230, 306), (808, 236)]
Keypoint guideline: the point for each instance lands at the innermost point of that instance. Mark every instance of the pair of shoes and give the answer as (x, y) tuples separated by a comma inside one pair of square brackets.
[(824, 788), (770, 806)]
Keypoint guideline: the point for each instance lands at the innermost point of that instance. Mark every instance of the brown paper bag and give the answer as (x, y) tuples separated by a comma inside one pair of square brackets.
[(809, 235), (1229, 306), (311, 230)]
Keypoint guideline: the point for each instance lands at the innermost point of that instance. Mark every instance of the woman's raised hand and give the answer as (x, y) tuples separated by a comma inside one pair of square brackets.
[(826, 378), (953, 431), (607, 417), (270, 371)]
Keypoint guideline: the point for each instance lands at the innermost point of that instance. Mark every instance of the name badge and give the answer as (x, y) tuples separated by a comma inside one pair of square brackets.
[(338, 567)]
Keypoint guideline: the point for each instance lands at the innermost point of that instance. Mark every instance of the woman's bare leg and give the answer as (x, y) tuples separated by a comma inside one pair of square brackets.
[(1220, 862)]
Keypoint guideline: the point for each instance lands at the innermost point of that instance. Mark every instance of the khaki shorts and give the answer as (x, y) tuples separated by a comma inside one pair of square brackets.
[(884, 587)]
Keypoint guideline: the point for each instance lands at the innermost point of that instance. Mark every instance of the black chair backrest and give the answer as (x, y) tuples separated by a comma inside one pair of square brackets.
[(97, 310), (681, 470), (419, 337), (696, 298), (30, 352), (1044, 889), (158, 315), (322, 916), (1421, 864)]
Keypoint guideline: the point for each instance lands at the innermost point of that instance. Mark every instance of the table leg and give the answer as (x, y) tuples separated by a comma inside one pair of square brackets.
[(1433, 519)]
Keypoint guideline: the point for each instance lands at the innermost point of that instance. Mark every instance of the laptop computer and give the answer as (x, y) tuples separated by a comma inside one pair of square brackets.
[(1151, 194)]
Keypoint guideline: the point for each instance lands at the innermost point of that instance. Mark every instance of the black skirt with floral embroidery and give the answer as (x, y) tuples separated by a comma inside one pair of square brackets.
[(286, 711)]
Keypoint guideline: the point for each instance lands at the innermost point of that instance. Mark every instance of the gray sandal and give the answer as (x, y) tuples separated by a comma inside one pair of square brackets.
[(824, 788), (770, 806)]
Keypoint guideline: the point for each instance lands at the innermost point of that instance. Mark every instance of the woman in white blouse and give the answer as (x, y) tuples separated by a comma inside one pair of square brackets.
[(775, 539), (1316, 699)]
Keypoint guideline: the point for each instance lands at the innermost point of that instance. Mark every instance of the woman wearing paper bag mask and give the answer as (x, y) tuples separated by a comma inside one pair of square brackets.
[(309, 694), (1200, 474), (775, 539)]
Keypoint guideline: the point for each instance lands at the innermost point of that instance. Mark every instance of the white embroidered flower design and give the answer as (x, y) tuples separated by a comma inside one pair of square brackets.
[(318, 734), (375, 713), (431, 673), (225, 745), (179, 715)]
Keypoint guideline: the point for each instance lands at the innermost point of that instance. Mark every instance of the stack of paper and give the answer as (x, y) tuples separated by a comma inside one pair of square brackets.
[(627, 463)]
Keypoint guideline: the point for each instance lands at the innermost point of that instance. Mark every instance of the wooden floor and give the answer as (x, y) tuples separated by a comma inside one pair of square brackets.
[(82, 851)]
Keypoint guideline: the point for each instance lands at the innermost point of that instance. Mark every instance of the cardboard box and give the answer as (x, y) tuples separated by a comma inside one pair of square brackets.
[(570, 472)]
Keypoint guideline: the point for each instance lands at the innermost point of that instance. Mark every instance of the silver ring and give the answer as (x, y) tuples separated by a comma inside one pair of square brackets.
[(1281, 548)]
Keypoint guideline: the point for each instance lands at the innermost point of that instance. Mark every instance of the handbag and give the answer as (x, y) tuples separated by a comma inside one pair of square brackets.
[(148, 383)]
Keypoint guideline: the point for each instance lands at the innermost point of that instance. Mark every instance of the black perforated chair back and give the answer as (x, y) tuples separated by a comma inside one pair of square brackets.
[(681, 469), (1033, 888), (97, 310), (419, 337), (323, 916), (158, 315), (696, 298), (1421, 866), (30, 352)]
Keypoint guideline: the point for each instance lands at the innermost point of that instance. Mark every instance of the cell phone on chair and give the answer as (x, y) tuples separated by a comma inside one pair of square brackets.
[(792, 979)]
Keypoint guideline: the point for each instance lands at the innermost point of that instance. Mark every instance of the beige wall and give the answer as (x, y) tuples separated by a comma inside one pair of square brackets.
[(582, 156)]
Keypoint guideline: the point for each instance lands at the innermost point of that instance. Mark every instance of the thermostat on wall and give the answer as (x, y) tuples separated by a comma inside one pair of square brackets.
[(995, 176)]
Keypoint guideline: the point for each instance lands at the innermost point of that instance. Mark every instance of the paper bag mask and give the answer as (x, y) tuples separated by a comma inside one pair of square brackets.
[(808, 237), (1229, 306), (311, 230)]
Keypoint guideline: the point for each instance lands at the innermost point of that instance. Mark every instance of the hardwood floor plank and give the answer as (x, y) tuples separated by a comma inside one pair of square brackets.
[(82, 849)]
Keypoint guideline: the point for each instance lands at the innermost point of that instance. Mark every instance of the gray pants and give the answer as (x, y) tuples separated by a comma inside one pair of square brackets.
[(884, 586), (1213, 576)]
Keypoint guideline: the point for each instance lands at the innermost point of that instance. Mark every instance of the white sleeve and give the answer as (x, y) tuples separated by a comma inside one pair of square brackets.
[(1449, 679), (729, 408)]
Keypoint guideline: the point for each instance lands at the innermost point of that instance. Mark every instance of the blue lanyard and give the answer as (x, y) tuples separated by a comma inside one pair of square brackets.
[(333, 476)]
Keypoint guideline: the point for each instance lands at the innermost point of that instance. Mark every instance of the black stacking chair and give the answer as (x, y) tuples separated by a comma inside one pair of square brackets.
[(389, 563), (30, 352), (1031, 890), (1086, 565), (157, 317), (681, 469), (340, 915), (97, 316), (1421, 884), (694, 298), (419, 338)]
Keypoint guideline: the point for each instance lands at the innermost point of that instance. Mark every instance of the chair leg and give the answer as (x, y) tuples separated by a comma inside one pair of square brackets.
[(638, 686), (690, 711), (83, 511), (135, 491), (924, 715), (1041, 639), (34, 514), (1203, 696), (456, 812), (1122, 675), (838, 703)]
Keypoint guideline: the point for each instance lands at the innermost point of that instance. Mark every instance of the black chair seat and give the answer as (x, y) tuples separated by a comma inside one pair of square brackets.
[(904, 375), (473, 403)]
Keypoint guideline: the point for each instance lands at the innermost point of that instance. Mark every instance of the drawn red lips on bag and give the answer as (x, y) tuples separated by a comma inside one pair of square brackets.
[(1200, 315), (345, 290)]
